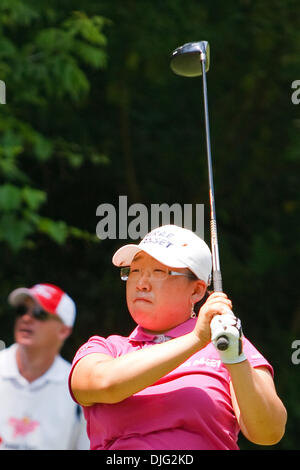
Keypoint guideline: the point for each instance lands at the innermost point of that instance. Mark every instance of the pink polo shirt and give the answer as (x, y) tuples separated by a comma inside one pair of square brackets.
[(188, 409)]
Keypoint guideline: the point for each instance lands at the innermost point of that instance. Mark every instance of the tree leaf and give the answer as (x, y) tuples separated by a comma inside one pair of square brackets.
[(10, 197)]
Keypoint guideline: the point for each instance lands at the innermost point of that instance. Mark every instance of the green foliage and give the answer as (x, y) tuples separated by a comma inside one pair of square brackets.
[(44, 62)]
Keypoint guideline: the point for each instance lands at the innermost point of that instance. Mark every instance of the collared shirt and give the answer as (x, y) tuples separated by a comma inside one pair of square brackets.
[(38, 415), (188, 408)]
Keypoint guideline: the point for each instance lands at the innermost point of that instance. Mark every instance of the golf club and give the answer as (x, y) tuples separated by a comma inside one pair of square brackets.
[(191, 60)]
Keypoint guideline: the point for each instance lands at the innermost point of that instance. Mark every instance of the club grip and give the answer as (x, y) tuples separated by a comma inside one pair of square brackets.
[(222, 342), (217, 281)]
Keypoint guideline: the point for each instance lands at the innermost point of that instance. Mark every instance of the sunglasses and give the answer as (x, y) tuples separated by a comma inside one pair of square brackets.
[(37, 312)]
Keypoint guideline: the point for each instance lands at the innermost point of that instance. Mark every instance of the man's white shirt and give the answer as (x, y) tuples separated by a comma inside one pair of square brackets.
[(40, 415)]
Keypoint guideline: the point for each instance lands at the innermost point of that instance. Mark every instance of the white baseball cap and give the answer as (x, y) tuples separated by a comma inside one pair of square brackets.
[(172, 246), (50, 297)]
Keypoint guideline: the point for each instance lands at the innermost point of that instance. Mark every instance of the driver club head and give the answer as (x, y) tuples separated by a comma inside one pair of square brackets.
[(186, 59)]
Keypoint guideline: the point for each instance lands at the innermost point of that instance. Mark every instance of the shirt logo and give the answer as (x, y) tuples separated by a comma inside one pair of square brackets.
[(23, 426), (203, 361)]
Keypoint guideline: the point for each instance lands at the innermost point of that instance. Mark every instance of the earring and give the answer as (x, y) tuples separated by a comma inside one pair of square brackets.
[(193, 314)]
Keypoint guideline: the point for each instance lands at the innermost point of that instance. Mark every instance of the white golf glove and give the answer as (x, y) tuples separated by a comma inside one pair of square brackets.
[(230, 326)]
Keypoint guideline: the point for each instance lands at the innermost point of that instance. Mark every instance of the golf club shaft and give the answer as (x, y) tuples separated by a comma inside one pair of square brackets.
[(217, 277), (192, 60), (222, 342)]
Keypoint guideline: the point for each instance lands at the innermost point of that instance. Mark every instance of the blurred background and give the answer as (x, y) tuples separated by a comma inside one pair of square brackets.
[(93, 111)]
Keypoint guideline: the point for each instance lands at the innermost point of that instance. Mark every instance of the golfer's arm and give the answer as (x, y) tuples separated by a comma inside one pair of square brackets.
[(98, 378), (260, 412)]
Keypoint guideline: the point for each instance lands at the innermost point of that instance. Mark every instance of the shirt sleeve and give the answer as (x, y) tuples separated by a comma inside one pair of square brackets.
[(96, 344), (255, 358)]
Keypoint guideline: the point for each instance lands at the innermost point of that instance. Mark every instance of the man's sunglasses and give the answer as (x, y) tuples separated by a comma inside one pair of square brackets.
[(37, 312)]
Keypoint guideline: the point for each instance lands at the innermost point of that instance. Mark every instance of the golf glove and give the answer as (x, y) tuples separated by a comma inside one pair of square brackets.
[(230, 326)]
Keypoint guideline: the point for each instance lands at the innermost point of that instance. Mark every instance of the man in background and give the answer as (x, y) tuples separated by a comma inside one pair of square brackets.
[(36, 410)]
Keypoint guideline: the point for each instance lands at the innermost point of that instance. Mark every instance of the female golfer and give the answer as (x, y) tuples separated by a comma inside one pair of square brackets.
[(166, 386)]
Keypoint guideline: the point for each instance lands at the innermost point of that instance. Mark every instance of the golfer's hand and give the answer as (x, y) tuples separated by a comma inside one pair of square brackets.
[(216, 304), (231, 327)]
